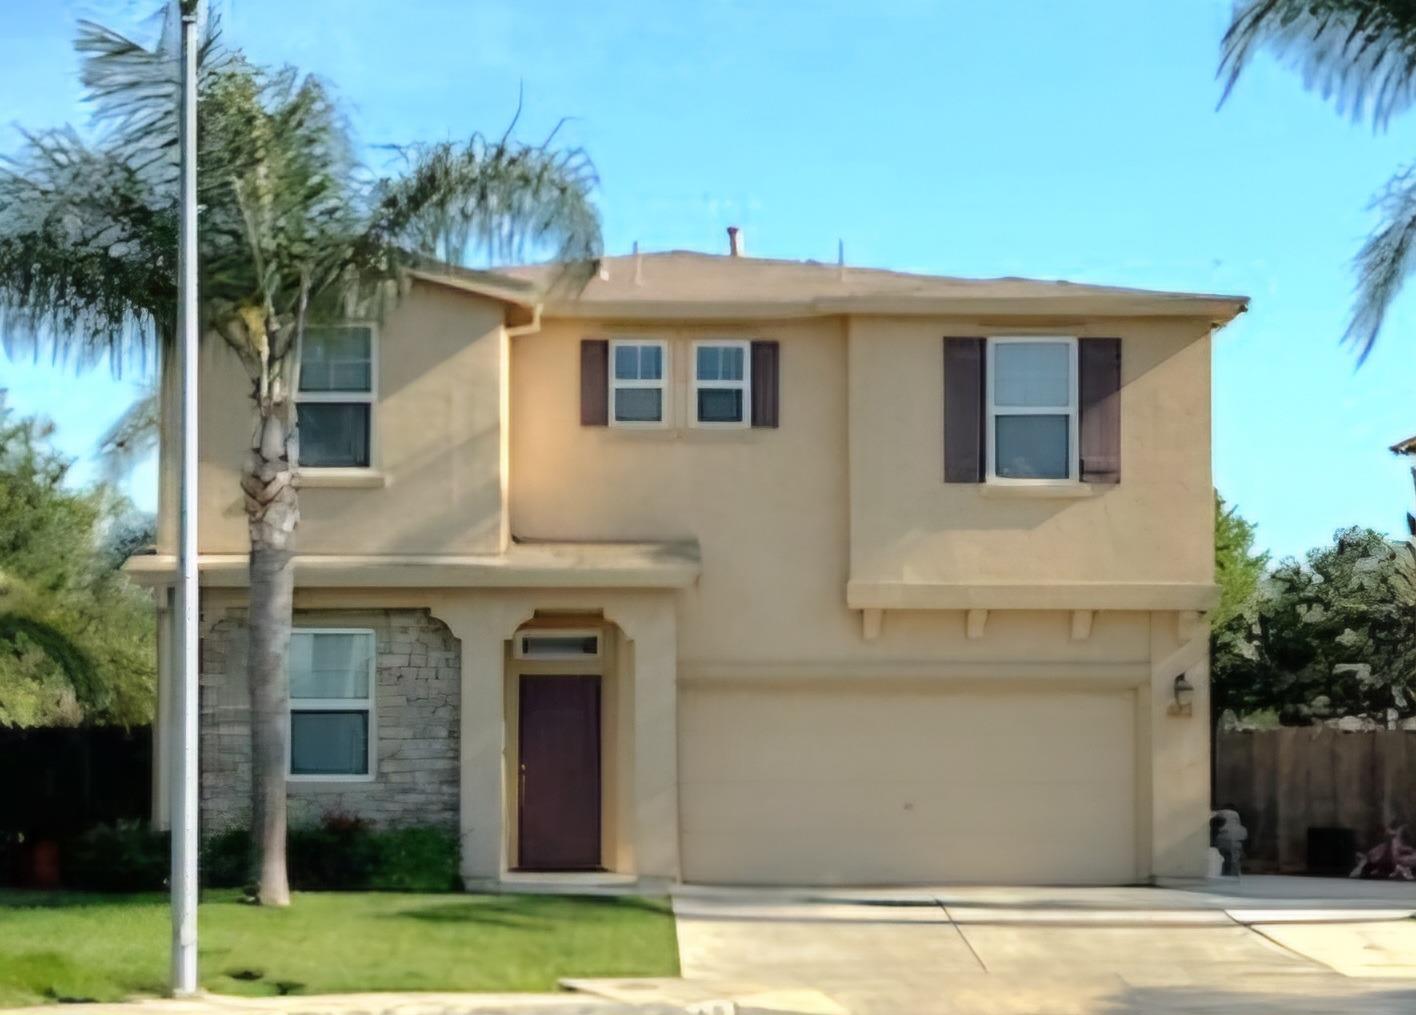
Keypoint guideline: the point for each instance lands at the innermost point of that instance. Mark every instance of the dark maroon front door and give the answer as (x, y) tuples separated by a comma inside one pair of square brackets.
[(559, 782)]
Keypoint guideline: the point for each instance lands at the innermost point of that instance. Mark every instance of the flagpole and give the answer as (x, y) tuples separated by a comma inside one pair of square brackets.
[(184, 785)]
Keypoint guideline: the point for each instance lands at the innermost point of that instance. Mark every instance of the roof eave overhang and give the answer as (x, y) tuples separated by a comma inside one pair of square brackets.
[(1217, 310), (522, 303)]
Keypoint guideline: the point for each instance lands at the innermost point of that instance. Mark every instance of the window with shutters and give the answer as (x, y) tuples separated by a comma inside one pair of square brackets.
[(722, 383), (335, 401), (1031, 420), (332, 685), (638, 383)]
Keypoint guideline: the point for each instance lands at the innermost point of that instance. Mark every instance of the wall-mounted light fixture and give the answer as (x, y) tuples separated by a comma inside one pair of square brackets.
[(1184, 703)]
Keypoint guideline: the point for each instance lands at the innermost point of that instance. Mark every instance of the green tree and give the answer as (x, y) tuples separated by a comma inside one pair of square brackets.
[(1330, 636), (1237, 567), (293, 230), (1361, 54), (1238, 571), (76, 638)]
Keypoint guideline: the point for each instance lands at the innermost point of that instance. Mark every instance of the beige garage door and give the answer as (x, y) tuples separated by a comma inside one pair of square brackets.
[(880, 786)]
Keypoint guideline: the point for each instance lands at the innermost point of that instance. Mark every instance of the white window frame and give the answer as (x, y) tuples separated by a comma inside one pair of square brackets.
[(519, 650), (1070, 410), (344, 397), (745, 385), (369, 704), (661, 385)]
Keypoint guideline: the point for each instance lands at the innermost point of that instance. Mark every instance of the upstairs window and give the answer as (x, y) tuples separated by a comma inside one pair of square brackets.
[(336, 397), (1032, 409), (722, 383), (638, 383), (332, 703)]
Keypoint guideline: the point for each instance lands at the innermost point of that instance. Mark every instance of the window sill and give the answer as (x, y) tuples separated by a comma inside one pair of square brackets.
[(341, 479), (1041, 491), (342, 779), (686, 434)]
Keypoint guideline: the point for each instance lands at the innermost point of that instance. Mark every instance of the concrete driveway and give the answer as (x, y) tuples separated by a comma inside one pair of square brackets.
[(1261, 945)]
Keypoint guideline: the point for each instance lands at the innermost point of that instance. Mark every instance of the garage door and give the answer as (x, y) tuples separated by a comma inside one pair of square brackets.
[(877, 786)]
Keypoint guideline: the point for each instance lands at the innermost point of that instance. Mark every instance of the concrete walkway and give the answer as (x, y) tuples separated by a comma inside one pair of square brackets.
[(1256, 946)]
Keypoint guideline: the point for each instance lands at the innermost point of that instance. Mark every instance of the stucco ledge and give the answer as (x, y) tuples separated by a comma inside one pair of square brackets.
[(863, 595), (523, 565)]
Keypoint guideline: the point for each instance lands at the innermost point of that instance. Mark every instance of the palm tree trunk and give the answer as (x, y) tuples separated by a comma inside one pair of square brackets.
[(273, 511)]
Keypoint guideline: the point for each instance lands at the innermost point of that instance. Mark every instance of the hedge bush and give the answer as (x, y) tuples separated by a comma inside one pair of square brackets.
[(344, 854), (125, 857)]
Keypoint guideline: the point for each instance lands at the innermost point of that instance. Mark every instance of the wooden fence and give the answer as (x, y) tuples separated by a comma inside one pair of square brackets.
[(1285, 781)]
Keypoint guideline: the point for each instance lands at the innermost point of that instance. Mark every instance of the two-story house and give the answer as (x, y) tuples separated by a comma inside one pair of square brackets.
[(739, 570)]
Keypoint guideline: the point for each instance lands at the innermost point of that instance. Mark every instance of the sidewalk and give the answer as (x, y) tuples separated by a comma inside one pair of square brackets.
[(364, 1004)]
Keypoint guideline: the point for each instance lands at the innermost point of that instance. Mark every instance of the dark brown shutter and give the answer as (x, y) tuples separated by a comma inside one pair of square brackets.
[(766, 383), (964, 408), (594, 382), (1099, 387)]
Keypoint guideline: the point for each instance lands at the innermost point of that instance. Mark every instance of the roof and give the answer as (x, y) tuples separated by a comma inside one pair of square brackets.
[(683, 283), (521, 296), (1406, 447)]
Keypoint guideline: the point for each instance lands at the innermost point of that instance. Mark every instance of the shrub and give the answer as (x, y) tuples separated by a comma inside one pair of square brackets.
[(341, 852), (344, 853), (226, 859), (420, 859), (124, 857)]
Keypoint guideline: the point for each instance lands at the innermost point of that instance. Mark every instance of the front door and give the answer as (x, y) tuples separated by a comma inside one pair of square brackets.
[(559, 779)]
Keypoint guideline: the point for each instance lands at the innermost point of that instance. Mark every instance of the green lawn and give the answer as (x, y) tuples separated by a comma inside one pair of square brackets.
[(69, 946)]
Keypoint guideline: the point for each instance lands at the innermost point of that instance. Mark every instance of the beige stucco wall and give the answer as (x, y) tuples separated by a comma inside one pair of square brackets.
[(850, 488), (910, 527), (438, 438)]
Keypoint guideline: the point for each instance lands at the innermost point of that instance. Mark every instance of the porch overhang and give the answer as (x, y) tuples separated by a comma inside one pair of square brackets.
[(586, 565)]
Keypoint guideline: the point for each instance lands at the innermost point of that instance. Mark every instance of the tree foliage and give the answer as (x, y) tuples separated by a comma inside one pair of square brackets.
[(1361, 54), (1330, 636), (1237, 566), (76, 638)]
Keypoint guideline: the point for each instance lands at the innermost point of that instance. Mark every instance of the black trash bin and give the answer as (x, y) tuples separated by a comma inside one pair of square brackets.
[(1332, 851)]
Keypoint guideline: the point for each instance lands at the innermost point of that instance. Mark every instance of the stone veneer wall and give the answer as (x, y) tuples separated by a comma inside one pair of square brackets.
[(416, 713)]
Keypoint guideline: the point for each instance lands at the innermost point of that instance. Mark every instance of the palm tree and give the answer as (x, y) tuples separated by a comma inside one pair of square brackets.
[(293, 230), (1361, 54)]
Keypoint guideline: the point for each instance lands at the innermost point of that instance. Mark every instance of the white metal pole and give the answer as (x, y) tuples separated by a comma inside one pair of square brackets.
[(184, 785)]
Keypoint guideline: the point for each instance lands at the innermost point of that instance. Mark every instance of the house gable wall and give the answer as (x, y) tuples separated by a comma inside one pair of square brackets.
[(436, 486)]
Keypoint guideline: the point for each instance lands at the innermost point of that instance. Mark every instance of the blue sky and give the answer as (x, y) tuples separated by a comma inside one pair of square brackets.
[(1019, 137)]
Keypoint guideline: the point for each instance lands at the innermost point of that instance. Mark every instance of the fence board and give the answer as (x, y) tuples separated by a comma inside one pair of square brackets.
[(1287, 780)]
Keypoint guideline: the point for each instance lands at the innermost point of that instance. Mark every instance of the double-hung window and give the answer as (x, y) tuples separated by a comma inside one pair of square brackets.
[(722, 383), (332, 686), (335, 402), (1032, 409), (638, 383)]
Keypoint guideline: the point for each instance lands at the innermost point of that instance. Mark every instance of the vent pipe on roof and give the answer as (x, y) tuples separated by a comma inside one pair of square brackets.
[(841, 260), (638, 265), (734, 241)]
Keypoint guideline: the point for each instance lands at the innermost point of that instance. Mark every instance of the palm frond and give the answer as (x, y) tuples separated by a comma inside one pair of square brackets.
[(87, 252), (132, 437), (88, 226), (23, 625), (1361, 54), (1385, 261), (497, 200)]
